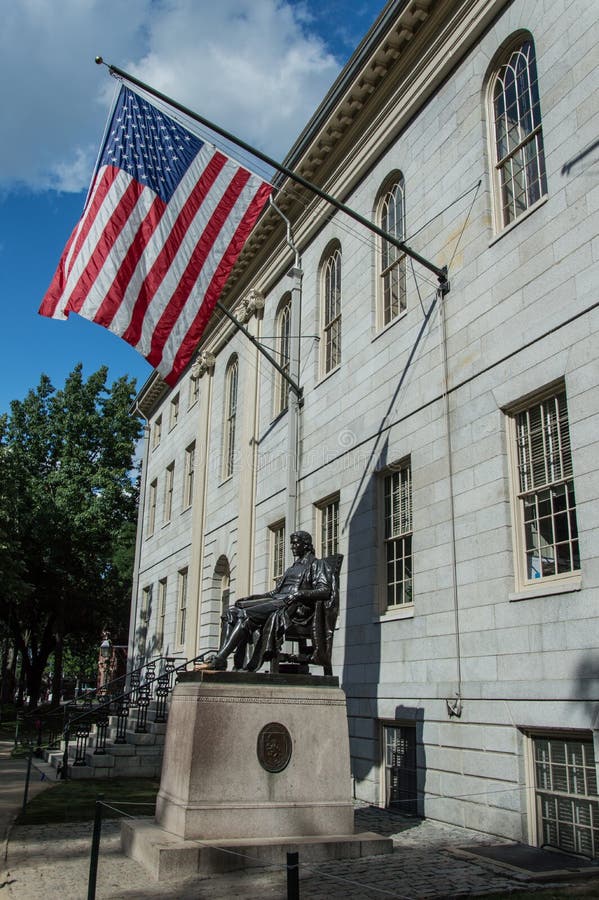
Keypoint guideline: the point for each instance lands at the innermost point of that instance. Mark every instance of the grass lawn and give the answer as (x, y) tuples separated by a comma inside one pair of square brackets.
[(75, 801)]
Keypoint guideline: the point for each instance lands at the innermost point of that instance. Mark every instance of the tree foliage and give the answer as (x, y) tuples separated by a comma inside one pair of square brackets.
[(67, 515)]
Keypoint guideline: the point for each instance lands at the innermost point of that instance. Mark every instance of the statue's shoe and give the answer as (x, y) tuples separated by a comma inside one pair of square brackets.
[(211, 665)]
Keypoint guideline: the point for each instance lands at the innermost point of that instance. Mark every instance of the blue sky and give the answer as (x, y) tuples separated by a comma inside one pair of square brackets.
[(257, 67)]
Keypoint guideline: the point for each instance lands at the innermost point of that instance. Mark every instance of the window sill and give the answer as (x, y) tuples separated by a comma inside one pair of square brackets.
[(395, 613), (327, 375), (507, 228), (383, 329), (547, 589)]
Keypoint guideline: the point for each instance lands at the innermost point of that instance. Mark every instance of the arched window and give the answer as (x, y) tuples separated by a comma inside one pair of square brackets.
[(231, 382), (330, 292), (283, 323), (520, 177), (392, 262)]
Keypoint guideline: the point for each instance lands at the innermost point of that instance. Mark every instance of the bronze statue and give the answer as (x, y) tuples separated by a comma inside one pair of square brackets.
[(291, 604)]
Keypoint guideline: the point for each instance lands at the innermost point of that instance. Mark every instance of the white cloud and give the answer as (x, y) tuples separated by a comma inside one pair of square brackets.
[(250, 65)]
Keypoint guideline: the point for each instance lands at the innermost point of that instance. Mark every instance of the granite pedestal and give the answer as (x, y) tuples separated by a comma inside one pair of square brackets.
[(254, 765)]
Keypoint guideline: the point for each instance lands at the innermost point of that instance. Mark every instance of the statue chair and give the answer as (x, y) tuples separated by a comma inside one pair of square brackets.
[(314, 640)]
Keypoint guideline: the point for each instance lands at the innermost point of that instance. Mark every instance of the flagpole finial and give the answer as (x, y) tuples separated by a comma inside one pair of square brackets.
[(99, 60)]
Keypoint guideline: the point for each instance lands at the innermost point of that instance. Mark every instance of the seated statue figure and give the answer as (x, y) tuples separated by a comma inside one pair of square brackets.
[(271, 614)]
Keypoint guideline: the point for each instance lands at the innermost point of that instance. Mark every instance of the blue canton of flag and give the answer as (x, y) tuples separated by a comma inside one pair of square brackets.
[(153, 148)]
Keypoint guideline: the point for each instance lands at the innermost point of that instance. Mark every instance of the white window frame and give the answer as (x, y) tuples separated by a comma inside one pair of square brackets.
[(331, 309), (182, 592), (277, 548), (283, 338), (169, 491), (527, 489), (189, 475), (537, 791), (161, 617), (194, 389), (391, 262), (174, 411), (230, 416), (146, 604), (152, 504), (397, 531), (157, 432), (516, 143), (327, 525)]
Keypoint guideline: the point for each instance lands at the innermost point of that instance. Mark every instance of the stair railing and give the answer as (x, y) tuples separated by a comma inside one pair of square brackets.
[(143, 688)]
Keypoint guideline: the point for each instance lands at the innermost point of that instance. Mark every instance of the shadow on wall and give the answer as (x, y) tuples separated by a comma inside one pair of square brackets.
[(361, 666), (586, 687), (362, 660)]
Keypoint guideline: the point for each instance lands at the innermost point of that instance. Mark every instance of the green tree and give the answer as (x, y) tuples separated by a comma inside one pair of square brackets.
[(67, 511)]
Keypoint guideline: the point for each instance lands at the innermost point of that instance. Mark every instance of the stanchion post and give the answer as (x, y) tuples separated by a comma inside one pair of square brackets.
[(27, 778), (293, 892), (95, 851)]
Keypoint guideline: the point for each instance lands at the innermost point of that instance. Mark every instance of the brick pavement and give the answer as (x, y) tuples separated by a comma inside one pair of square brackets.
[(53, 862)]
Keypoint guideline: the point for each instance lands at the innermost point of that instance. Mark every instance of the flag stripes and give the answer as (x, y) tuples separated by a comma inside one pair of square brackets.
[(165, 220)]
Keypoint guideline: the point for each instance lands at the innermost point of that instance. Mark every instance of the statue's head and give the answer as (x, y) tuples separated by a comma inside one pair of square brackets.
[(301, 542)]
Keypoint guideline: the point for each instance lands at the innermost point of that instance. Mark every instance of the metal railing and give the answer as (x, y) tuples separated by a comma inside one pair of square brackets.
[(148, 692)]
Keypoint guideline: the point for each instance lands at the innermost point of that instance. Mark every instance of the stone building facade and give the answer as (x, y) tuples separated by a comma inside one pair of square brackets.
[(445, 442)]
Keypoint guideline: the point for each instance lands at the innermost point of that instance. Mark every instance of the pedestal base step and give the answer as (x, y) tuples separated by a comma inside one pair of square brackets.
[(167, 857)]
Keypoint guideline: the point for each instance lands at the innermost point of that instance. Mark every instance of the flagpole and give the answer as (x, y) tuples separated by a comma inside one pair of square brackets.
[(441, 273), (292, 384)]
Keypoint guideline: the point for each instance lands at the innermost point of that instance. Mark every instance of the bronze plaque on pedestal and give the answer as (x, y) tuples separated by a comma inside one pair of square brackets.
[(274, 747)]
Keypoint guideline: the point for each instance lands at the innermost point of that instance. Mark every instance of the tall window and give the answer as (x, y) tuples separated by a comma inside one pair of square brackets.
[(328, 526), (161, 613), (194, 388), (277, 551), (144, 616), (331, 310), (169, 484), (231, 380), (190, 454), (146, 604), (546, 506), (283, 347), (152, 499), (516, 112), (156, 432), (181, 606), (174, 412), (392, 263), (398, 536)]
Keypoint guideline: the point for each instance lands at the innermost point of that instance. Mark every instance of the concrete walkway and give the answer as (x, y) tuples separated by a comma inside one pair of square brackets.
[(52, 862)]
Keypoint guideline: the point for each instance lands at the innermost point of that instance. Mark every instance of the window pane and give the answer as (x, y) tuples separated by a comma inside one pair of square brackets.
[(547, 502), (518, 139)]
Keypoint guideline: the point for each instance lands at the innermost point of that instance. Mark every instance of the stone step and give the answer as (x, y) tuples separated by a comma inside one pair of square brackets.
[(45, 769)]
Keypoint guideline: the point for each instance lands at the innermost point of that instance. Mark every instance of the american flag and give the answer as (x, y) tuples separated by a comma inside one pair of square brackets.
[(166, 216)]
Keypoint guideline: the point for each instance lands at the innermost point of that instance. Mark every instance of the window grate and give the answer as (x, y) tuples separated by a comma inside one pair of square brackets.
[(566, 792)]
